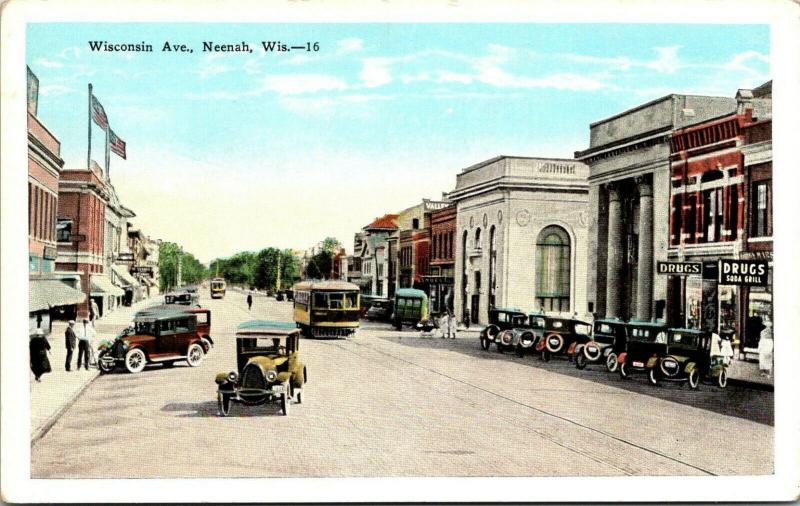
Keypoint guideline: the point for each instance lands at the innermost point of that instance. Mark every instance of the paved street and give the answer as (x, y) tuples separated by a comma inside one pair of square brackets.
[(390, 403)]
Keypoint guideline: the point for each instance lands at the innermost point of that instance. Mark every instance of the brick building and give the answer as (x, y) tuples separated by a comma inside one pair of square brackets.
[(83, 196), (47, 294), (441, 265), (709, 193)]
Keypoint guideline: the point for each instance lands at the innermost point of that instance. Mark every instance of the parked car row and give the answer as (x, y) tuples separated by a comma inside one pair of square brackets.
[(662, 353)]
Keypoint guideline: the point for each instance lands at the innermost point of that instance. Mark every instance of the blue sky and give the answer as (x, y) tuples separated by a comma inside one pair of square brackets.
[(233, 151)]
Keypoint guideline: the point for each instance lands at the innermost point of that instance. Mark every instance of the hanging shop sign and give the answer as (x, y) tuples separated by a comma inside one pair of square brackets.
[(743, 272), (679, 268)]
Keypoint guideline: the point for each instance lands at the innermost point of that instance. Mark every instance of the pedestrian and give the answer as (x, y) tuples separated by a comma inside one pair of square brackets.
[(94, 311), (451, 325), (83, 344), (443, 324), (39, 346), (71, 339), (765, 348), (466, 318), (249, 301)]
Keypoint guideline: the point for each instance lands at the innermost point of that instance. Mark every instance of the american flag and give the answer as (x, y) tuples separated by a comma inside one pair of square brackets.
[(116, 144), (99, 114)]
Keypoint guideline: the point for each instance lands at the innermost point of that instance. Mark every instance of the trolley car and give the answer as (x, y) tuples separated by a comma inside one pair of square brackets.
[(326, 308), (217, 288)]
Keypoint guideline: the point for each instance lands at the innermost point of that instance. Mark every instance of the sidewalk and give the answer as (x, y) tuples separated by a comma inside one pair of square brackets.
[(741, 371), (59, 388)]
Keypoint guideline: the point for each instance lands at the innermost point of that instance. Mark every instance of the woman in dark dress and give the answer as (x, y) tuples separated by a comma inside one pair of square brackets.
[(39, 347)]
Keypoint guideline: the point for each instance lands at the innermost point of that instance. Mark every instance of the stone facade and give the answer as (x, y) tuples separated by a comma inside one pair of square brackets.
[(629, 189), (506, 209)]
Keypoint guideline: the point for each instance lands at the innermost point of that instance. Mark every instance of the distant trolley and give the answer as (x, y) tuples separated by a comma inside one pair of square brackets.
[(326, 308), (217, 288)]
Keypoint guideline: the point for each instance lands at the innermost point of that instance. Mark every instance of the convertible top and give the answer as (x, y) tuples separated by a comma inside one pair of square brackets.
[(409, 292), (266, 327)]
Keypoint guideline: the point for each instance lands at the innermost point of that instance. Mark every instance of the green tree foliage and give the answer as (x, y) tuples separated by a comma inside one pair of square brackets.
[(258, 269), (320, 265), (238, 269), (290, 269), (331, 245), (265, 272), (192, 271)]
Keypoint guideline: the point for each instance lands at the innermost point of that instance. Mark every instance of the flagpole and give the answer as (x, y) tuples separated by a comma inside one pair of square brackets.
[(89, 151), (108, 157)]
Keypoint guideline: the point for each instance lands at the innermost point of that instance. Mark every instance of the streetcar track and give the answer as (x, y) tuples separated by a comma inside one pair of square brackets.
[(544, 412)]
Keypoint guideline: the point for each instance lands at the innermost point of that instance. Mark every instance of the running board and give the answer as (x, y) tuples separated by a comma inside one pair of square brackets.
[(173, 357)]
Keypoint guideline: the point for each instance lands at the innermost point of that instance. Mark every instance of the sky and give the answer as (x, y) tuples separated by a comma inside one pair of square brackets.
[(240, 151)]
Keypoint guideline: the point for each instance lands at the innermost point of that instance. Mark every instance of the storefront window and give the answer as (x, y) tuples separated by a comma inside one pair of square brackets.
[(694, 297)]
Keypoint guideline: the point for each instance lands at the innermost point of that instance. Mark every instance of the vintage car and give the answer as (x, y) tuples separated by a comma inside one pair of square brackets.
[(609, 338), (268, 367), (646, 342), (410, 307), (163, 337), (688, 358), (525, 337), (203, 320), (182, 298), (561, 336), (500, 321), (380, 310)]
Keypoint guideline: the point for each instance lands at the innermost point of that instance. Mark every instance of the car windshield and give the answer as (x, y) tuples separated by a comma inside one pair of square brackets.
[(404, 302), (537, 322), (683, 339), (335, 300), (518, 321), (583, 329), (644, 334), (267, 345)]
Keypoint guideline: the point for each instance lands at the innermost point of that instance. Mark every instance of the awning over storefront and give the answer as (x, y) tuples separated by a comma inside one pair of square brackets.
[(46, 293), (125, 276), (102, 285)]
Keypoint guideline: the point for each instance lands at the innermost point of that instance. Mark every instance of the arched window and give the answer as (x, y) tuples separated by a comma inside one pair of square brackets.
[(553, 269), (492, 266), (478, 238), (464, 279)]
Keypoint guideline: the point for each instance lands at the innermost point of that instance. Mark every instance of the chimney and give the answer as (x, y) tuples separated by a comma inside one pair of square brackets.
[(744, 103)]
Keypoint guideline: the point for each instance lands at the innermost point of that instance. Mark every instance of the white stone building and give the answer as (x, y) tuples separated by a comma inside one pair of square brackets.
[(521, 236)]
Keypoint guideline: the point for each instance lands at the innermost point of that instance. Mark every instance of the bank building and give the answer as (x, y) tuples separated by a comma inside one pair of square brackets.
[(521, 236)]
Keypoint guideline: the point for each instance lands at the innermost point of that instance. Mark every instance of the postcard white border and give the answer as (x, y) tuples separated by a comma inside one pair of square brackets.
[(15, 418)]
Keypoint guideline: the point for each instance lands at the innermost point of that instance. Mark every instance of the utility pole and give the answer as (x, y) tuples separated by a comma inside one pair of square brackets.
[(180, 261), (278, 282)]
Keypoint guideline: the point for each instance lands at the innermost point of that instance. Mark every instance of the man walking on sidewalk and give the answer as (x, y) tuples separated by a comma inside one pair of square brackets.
[(249, 301), (70, 336), (83, 344)]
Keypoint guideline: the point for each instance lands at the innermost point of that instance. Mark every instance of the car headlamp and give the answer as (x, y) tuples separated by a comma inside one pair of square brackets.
[(232, 376), (125, 345), (272, 375)]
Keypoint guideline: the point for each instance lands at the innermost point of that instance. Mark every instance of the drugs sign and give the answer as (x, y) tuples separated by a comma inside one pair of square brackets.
[(743, 272), (680, 268)]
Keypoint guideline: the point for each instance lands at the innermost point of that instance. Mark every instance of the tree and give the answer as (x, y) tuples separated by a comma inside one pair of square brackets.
[(331, 245), (265, 272), (192, 271), (290, 269), (320, 265)]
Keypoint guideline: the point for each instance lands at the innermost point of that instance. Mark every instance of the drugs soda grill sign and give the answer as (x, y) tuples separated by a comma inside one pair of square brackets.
[(680, 268), (743, 272)]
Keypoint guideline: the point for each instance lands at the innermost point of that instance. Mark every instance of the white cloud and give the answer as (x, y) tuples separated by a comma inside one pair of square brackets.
[(295, 84), (50, 64), (667, 61), (55, 90), (739, 62), (444, 76), (613, 63), (351, 45), (375, 72)]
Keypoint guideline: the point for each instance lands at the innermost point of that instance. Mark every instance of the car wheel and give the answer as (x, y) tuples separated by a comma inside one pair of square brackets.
[(611, 362), (135, 360), (485, 344), (285, 402), (694, 379), (206, 344), (722, 379), (546, 355), (195, 355), (623, 370), (580, 361), (224, 403), (651, 376)]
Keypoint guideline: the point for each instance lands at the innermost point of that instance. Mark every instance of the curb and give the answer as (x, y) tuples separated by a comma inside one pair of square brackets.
[(48, 424), (754, 385)]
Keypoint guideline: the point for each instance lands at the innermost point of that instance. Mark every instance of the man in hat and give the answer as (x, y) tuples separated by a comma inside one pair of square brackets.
[(84, 336), (70, 337)]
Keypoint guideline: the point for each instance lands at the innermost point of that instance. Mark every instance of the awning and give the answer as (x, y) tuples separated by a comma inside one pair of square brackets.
[(124, 275), (46, 293), (102, 285)]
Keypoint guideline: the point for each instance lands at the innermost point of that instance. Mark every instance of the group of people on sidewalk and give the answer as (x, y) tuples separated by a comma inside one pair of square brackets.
[(84, 337)]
